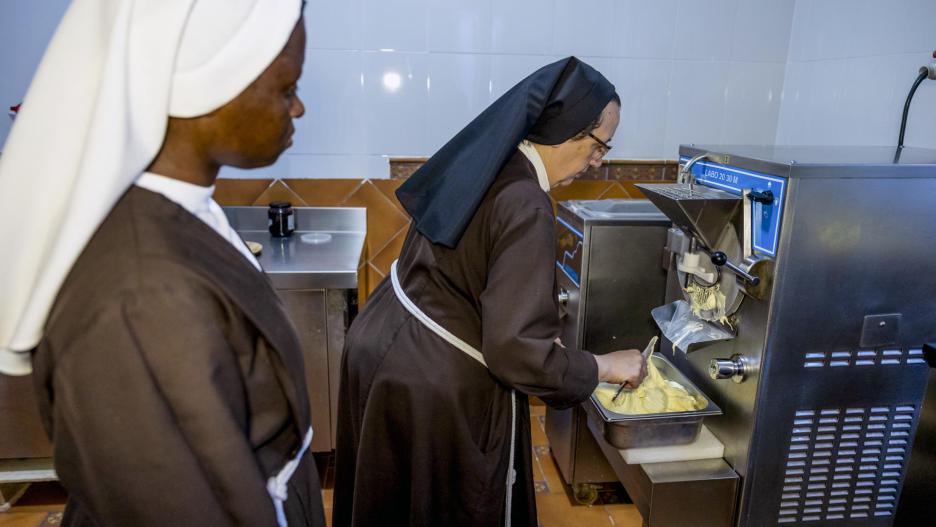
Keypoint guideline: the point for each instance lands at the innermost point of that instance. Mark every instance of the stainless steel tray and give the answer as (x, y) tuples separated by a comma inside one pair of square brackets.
[(670, 428)]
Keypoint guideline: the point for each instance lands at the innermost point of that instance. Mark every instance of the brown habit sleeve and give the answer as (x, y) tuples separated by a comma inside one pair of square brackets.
[(520, 317)]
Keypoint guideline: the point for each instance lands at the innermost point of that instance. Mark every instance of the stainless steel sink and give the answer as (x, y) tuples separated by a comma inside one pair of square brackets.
[(612, 208)]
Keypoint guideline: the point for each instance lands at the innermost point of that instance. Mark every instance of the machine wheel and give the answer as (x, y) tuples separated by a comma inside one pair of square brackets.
[(585, 493)]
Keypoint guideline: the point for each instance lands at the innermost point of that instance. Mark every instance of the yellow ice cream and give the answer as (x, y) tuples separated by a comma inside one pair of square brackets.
[(708, 303), (654, 395)]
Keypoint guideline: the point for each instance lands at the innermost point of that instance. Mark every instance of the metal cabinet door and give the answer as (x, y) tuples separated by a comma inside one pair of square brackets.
[(307, 309)]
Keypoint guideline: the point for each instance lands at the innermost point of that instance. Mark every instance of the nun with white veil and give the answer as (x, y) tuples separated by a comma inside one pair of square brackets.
[(168, 375)]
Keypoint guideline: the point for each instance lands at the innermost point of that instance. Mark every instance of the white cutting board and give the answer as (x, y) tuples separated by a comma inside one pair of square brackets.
[(706, 446)]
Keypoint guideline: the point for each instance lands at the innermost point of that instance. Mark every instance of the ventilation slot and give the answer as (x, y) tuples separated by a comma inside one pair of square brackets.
[(845, 464)]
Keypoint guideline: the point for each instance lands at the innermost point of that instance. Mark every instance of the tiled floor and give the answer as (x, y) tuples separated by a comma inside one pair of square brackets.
[(41, 506), (553, 504), (43, 503)]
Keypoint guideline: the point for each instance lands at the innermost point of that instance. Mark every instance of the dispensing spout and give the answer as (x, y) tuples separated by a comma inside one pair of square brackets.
[(685, 174)]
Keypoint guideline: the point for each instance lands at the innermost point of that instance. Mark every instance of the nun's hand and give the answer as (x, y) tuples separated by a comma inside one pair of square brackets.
[(627, 367)]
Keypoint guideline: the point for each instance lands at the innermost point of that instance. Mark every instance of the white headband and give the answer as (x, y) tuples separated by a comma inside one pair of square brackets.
[(95, 117)]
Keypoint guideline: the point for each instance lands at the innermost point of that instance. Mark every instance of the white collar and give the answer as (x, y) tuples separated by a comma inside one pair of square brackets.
[(198, 201), (530, 152), (189, 196)]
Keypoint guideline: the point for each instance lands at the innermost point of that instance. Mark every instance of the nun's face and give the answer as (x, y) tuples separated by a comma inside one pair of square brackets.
[(256, 127), (573, 157)]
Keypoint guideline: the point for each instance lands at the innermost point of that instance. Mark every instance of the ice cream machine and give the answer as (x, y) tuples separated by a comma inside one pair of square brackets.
[(800, 296)]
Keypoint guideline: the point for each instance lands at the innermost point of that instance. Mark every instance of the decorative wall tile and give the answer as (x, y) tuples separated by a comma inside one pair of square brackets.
[(614, 169), (384, 220), (615, 191), (670, 171), (580, 189), (403, 167), (373, 277), (233, 192), (632, 190), (363, 283), (324, 192), (382, 260), (599, 173), (278, 191), (649, 171), (389, 187)]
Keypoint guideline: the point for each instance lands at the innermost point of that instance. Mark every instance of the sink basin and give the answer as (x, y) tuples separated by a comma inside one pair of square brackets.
[(612, 208)]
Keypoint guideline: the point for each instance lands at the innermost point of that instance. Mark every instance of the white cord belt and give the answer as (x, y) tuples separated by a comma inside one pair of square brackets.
[(474, 354), (276, 485)]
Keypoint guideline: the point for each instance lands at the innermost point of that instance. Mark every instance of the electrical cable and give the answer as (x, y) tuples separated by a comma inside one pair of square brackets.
[(906, 110)]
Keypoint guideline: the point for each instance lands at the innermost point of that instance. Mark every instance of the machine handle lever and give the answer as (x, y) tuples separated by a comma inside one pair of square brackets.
[(765, 197), (720, 259)]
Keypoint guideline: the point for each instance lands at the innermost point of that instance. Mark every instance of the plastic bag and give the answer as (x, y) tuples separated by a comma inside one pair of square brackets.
[(684, 329)]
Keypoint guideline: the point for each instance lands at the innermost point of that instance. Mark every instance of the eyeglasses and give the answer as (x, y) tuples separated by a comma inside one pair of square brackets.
[(605, 147)]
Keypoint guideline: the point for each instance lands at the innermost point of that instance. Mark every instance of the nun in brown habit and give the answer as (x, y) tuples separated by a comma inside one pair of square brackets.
[(433, 420), (169, 377)]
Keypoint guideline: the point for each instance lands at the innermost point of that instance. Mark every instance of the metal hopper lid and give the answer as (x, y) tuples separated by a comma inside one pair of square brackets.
[(703, 211)]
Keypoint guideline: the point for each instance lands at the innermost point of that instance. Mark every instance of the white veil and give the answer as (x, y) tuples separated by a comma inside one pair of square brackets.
[(94, 118)]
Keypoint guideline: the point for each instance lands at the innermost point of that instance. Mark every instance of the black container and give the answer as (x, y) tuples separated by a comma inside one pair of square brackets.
[(282, 222)]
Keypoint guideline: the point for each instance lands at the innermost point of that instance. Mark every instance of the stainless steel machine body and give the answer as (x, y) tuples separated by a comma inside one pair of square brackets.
[(609, 277), (823, 383)]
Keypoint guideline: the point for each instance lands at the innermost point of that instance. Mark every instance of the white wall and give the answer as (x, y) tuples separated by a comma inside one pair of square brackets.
[(706, 71), (25, 28), (851, 64), (687, 70)]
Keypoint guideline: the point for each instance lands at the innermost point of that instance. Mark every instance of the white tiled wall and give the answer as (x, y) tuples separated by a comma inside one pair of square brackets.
[(25, 29), (687, 70), (400, 77), (851, 64)]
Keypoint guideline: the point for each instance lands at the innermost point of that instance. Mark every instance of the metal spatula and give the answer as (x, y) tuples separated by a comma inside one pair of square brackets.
[(646, 355)]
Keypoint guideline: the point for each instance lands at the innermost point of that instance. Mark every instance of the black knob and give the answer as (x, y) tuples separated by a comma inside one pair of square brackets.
[(766, 197), (719, 258)]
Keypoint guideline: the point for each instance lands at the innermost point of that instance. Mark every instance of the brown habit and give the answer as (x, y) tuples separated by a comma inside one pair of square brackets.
[(170, 379), (423, 429)]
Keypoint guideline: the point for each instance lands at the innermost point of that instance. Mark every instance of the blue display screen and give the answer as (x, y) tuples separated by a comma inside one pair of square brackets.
[(766, 218), (569, 243)]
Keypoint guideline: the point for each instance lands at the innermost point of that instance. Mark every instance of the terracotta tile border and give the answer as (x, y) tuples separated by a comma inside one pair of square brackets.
[(614, 169)]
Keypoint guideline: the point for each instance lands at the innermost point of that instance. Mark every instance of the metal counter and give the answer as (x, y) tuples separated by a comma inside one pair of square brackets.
[(314, 271), (293, 263)]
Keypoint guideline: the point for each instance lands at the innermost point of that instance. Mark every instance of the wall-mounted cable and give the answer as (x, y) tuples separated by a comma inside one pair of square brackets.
[(925, 72)]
